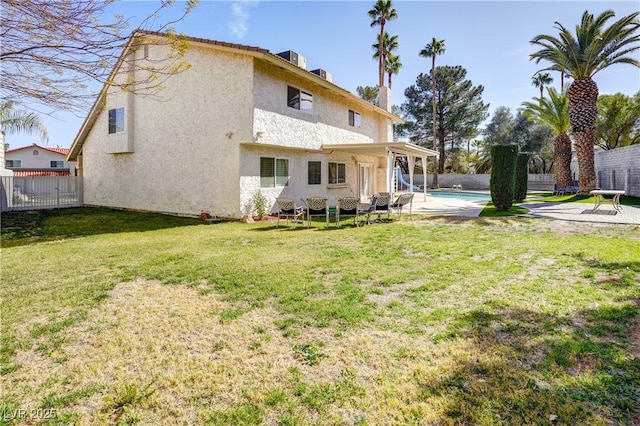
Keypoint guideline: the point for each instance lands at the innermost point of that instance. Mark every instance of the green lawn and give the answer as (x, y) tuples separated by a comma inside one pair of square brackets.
[(115, 317)]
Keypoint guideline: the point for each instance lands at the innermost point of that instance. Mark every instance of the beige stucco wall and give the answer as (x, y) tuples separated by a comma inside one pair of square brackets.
[(189, 152), (276, 126), (3, 170), (184, 152)]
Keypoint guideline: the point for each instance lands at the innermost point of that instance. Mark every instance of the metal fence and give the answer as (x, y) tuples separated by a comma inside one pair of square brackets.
[(40, 192)]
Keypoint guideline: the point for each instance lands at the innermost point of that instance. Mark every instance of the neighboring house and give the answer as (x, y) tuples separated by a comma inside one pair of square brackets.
[(239, 120), (36, 160)]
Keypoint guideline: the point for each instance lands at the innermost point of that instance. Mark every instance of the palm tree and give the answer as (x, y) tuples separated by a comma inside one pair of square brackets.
[(389, 44), (431, 50), (13, 120), (540, 80), (382, 12), (554, 112), (392, 66), (592, 49)]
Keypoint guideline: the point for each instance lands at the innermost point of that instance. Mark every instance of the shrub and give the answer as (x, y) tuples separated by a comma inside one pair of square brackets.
[(260, 204), (522, 176), (502, 181)]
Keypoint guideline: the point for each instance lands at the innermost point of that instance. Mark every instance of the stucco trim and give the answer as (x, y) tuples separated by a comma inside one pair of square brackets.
[(382, 149), (279, 147)]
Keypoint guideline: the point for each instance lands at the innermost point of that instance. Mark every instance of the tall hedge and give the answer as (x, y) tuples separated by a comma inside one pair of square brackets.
[(522, 177), (503, 171)]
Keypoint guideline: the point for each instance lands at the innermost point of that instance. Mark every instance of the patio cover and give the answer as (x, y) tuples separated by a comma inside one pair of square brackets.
[(391, 150)]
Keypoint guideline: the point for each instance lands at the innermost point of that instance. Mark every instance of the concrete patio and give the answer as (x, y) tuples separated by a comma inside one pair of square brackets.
[(580, 212)]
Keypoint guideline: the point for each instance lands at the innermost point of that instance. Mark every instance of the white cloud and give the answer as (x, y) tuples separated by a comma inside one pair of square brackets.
[(239, 25)]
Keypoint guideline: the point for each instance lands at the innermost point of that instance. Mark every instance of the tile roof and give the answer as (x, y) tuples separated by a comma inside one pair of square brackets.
[(63, 151), (31, 172)]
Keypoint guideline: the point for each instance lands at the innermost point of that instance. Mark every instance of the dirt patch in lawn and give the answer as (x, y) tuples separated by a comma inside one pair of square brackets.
[(161, 354)]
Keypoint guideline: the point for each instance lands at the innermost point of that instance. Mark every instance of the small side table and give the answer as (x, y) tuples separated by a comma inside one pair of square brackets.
[(600, 193)]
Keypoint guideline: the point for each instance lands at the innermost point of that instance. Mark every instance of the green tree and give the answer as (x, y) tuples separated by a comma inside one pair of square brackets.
[(618, 122), (382, 12), (368, 93), (389, 45), (521, 177), (17, 120), (592, 49), (52, 50), (554, 111), (499, 130), (431, 50), (393, 66), (540, 80), (459, 112), (502, 180)]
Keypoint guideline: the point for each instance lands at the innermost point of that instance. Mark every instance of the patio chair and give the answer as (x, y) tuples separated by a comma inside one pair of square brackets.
[(382, 204), (317, 206), (402, 201), (368, 209), (347, 206), (287, 209)]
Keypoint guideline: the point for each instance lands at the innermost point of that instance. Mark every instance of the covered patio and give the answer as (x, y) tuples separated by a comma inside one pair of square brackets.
[(391, 151)]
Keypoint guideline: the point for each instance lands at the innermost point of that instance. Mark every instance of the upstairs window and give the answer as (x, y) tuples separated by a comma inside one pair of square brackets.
[(35, 152), (337, 173), (13, 164), (354, 119), (116, 120), (57, 164), (274, 172), (299, 99)]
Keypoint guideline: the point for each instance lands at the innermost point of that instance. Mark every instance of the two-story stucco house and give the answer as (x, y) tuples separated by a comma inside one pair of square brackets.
[(36, 160), (239, 120)]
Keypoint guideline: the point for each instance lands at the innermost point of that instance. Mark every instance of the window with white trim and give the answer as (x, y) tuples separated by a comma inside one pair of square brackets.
[(337, 173), (314, 175), (13, 164), (274, 172), (57, 164), (299, 99), (354, 119), (116, 120)]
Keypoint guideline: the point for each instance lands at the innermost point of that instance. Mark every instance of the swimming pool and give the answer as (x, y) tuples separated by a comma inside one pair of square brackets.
[(461, 195)]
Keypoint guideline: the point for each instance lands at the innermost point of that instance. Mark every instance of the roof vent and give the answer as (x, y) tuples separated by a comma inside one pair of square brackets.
[(323, 74), (294, 58)]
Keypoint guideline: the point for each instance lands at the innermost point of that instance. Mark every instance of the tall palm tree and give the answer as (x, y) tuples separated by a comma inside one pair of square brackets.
[(392, 66), (554, 112), (540, 80), (14, 120), (389, 44), (592, 49), (382, 12), (431, 50)]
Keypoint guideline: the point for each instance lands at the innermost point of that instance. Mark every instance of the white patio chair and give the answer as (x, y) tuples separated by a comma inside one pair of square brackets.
[(287, 209), (401, 201), (317, 206), (347, 206)]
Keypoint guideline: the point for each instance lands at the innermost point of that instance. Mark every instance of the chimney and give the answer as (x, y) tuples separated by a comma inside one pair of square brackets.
[(384, 98)]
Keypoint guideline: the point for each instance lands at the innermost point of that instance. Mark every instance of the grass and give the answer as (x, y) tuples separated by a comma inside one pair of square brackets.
[(431, 321)]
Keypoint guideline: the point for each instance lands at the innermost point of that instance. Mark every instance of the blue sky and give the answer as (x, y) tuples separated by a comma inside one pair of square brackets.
[(488, 38)]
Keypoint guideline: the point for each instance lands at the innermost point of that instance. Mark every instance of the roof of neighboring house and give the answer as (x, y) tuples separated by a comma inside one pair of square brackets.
[(254, 51), (38, 172), (63, 151)]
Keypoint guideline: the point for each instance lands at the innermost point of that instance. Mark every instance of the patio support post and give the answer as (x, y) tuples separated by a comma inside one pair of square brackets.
[(411, 162), (391, 157), (424, 177)]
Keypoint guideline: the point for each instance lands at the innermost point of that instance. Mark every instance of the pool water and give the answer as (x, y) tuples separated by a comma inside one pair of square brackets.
[(460, 195)]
